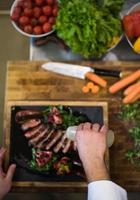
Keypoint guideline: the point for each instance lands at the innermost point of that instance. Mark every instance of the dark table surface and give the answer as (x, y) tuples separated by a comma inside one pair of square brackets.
[(52, 51)]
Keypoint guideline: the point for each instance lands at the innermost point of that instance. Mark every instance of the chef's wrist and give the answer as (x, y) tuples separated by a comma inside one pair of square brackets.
[(96, 171)]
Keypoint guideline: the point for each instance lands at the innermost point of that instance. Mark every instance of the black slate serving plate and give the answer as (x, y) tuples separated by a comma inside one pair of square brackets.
[(20, 152)]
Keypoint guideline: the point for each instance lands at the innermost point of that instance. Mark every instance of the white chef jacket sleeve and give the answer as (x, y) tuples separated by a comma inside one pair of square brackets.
[(105, 190)]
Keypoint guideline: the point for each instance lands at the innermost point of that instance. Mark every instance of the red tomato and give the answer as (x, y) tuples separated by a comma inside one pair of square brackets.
[(55, 11), (28, 12), (18, 10), (136, 15), (47, 10), (43, 19), (33, 22), (128, 26), (20, 3), (136, 22), (50, 2), (37, 12), (51, 20), (15, 17), (47, 27), (27, 4), (39, 2), (24, 20), (28, 29), (136, 28), (55, 2), (16, 13), (38, 30)]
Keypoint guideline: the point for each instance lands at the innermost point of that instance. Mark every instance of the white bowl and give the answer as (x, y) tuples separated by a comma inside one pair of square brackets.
[(21, 31), (134, 8)]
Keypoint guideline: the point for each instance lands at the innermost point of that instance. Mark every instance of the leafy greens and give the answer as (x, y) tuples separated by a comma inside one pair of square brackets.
[(132, 113), (88, 28)]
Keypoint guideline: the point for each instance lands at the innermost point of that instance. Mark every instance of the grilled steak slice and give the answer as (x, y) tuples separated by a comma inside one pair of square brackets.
[(67, 146), (23, 115), (57, 136), (35, 131), (39, 137), (60, 143), (42, 144), (31, 123)]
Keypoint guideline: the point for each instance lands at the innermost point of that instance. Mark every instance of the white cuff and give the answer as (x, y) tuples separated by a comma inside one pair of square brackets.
[(106, 190)]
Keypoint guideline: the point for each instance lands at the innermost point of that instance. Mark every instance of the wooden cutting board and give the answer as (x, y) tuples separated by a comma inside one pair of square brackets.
[(15, 145), (26, 81)]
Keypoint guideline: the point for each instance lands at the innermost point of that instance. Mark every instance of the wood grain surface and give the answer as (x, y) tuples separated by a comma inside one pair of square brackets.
[(49, 185), (27, 81)]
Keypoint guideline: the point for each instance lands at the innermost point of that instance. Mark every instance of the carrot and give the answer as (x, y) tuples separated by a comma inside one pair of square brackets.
[(85, 89), (96, 79), (124, 82), (130, 97), (136, 98), (95, 89), (90, 85), (131, 88)]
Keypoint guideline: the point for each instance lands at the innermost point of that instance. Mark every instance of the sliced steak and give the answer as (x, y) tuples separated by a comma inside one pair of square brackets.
[(35, 131), (56, 137), (31, 123)]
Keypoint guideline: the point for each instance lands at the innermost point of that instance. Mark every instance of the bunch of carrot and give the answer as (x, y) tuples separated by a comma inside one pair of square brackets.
[(131, 92)]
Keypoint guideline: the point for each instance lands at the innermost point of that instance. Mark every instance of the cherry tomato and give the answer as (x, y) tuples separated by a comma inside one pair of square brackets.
[(39, 2), (33, 22), (27, 4), (18, 10), (38, 30), (24, 20), (37, 12), (50, 2), (47, 10), (51, 20), (55, 11), (20, 3), (15, 17), (43, 19), (28, 12), (47, 27), (28, 29)]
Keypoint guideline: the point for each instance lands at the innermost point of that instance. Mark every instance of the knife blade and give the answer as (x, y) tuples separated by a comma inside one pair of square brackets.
[(78, 71)]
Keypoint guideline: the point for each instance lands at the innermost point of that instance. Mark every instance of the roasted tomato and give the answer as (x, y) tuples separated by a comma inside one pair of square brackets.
[(62, 166)]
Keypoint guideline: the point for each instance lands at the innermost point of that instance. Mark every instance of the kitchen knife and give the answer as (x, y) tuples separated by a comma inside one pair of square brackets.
[(78, 71)]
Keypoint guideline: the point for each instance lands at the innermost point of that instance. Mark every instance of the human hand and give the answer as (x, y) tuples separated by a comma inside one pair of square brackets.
[(5, 178), (91, 144)]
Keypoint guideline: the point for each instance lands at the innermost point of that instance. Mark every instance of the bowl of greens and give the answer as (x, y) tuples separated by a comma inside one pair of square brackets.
[(91, 28)]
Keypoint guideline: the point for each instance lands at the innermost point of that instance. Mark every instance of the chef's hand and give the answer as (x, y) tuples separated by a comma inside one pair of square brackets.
[(91, 142), (5, 178)]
